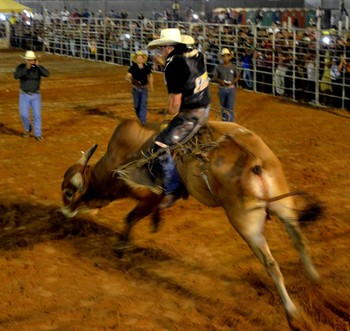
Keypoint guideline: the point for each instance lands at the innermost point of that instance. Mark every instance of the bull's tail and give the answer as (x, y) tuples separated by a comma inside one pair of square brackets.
[(311, 208)]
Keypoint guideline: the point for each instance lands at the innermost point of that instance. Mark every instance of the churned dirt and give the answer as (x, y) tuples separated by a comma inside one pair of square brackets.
[(195, 273)]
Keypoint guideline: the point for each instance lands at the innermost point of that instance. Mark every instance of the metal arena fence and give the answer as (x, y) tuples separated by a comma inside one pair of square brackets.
[(306, 65)]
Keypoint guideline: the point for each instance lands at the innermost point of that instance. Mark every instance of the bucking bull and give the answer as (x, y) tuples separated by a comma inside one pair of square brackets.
[(224, 165)]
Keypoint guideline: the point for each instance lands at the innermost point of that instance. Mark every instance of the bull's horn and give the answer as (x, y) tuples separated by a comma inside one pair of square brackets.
[(86, 155), (77, 181)]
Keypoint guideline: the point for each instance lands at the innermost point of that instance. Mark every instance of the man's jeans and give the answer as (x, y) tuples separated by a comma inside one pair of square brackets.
[(26, 102), (140, 96), (227, 97)]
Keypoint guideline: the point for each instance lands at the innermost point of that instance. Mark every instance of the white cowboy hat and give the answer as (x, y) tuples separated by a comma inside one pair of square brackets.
[(29, 55), (171, 37), (225, 51), (135, 55)]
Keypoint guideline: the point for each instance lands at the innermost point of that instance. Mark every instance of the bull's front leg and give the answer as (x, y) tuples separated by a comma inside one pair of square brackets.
[(123, 241), (142, 209)]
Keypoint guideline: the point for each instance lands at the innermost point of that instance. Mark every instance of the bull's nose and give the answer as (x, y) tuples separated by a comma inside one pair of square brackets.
[(67, 212)]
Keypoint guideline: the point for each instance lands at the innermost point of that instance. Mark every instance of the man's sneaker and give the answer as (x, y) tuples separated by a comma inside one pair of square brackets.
[(39, 138), (25, 134)]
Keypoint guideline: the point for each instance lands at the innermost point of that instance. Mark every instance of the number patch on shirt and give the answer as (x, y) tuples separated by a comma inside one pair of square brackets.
[(201, 82)]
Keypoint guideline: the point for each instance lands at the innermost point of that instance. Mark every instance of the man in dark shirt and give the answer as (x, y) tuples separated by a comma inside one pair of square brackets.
[(188, 101), (140, 76), (29, 74)]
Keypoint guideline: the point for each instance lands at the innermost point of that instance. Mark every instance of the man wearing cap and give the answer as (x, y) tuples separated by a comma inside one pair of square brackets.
[(140, 75), (29, 74), (187, 83), (226, 75)]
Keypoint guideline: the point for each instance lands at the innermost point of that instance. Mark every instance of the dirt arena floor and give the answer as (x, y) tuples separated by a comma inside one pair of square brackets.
[(196, 273)]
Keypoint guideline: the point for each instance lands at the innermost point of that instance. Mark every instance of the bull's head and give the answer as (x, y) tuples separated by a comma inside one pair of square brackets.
[(75, 184)]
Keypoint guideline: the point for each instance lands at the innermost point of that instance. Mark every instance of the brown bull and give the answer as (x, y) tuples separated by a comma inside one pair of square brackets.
[(234, 169)]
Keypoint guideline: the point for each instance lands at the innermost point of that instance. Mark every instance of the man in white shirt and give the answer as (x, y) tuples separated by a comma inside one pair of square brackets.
[(65, 15)]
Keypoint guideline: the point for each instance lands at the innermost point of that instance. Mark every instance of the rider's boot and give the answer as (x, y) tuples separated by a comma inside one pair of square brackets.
[(171, 181)]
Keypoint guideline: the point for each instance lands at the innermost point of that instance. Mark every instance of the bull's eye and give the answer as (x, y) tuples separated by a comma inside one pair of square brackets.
[(68, 193)]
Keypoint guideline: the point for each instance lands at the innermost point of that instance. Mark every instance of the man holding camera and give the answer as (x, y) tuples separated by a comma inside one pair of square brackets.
[(29, 74)]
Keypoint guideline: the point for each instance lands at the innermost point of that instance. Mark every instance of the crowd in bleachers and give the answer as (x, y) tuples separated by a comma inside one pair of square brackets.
[(306, 65)]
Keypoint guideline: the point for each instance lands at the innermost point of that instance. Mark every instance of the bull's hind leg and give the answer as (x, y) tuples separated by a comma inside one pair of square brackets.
[(250, 225), (285, 211)]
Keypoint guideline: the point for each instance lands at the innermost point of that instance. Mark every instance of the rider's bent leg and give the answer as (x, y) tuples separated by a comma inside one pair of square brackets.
[(180, 129), (171, 180)]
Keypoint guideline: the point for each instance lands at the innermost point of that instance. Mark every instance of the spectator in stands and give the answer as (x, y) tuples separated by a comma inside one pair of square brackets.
[(326, 83), (75, 16), (110, 42), (336, 75), (247, 66), (227, 38), (345, 65), (300, 77), (124, 14), (319, 15), (38, 17), (140, 16), (342, 10), (259, 16), (274, 28), (65, 15), (283, 63), (276, 15), (47, 18), (86, 15), (263, 56), (2, 30), (55, 17), (13, 18), (295, 22), (156, 14), (311, 77), (176, 10), (211, 50)]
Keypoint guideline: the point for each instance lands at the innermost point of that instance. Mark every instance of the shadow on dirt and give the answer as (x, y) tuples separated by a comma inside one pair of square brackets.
[(24, 224), (11, 132), (111, 113), (97, 111)]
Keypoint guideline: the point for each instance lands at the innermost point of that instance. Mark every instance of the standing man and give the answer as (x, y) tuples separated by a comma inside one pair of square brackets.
[(226, 75), (140, 76), (176, 10), (65, 15), (187, 82), (342, 10), (29, 74)]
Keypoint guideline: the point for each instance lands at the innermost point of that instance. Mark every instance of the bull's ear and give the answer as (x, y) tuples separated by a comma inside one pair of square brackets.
[(87, 155), (78, 181)]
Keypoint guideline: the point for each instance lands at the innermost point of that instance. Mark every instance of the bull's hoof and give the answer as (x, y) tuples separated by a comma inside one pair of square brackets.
[(299, 321), (313, 275), (154, 227)]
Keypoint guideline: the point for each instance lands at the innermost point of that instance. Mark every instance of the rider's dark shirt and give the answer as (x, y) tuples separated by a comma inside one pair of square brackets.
[(185, 72)]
